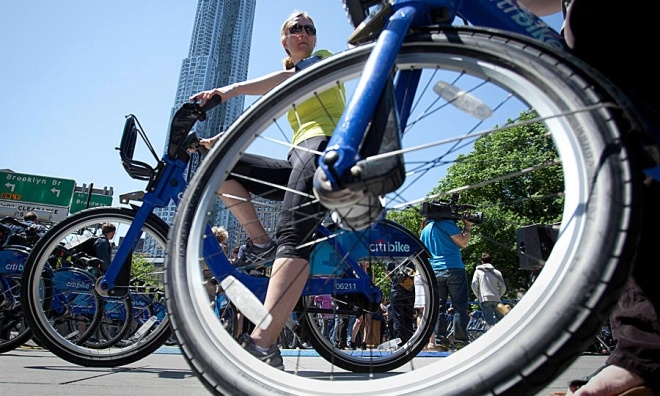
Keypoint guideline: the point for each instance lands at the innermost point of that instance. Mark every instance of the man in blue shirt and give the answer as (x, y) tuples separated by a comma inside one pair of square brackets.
[(444, 240)]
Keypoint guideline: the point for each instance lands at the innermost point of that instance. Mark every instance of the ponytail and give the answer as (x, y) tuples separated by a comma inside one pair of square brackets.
[(288, 63)]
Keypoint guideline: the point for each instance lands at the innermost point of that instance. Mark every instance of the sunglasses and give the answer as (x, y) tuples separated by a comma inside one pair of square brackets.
[(298, 28)]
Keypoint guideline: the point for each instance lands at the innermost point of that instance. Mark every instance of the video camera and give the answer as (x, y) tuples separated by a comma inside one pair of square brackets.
[(450, 210)]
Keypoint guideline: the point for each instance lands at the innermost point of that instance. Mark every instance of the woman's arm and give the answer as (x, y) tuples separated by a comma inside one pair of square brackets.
[(256, 86)]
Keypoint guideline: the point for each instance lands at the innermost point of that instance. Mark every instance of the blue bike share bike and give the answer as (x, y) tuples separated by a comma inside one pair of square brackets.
[(425, 95), (15, 247), (124, 321), (120, 310)]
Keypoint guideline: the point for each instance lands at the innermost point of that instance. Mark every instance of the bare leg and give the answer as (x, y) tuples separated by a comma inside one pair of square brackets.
[(356, 329), (366, 329), (286, 284), (238, 200), (238, 331)]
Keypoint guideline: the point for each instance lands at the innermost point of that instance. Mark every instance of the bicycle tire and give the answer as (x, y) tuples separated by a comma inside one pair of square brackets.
[(578, 285), (14, 331), (138, 318), (390, 358), (37, 311), (113, 327)]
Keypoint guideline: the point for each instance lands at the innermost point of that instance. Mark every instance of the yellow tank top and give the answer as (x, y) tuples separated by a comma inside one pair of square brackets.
[(318, 116)]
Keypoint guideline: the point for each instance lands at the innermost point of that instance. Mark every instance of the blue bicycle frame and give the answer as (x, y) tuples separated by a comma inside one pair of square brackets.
[(166, 182), (344, 144), (169, 182)]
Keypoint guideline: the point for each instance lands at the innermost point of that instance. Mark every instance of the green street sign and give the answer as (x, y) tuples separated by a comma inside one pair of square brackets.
[(36, 189), (79, 201)]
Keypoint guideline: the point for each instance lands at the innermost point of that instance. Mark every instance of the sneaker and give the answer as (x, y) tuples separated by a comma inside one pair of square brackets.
[(460, 344), (254, 255), (272, 357)]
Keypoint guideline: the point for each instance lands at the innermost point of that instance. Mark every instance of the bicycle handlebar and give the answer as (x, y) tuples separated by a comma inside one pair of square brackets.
[(210, 105), (14, 221), (183, 121)]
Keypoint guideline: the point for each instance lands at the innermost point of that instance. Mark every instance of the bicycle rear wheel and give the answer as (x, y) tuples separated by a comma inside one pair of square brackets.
[(14, 330), (375, 354), (116, 321), (567, 125), (58, 296)]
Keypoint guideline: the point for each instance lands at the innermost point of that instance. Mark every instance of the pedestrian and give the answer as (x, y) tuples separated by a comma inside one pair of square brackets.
[(489, 287), (221, 235), (361, 329), (103, 246), (34, 231), (324, 301), (420, 303), (234, 254)]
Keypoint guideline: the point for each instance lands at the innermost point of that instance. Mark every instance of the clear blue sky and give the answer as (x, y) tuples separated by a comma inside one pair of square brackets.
[(72, 69)]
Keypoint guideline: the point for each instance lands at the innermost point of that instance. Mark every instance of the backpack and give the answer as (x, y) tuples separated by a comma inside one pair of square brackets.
[(86, 247)]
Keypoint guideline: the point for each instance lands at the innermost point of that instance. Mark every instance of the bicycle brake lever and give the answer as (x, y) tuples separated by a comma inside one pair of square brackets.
[(192, 143)]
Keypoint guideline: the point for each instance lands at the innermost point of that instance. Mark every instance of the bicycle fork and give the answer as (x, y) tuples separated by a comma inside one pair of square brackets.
[(363, 160)]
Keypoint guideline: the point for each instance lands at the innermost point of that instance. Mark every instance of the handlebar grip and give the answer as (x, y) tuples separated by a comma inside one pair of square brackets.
[(192, 142), (202, 150), (211, 103)]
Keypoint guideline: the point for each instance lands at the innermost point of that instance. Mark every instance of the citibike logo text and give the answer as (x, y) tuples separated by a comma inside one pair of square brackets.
[(382, 246), (80, 285), (12, 267)]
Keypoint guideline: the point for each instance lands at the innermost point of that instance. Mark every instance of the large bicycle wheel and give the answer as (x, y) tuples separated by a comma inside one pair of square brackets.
[(57, 295), (375, 355), (568, 128)]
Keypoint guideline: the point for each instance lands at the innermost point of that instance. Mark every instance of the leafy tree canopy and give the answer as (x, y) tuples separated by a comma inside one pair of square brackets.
[(534, 196)]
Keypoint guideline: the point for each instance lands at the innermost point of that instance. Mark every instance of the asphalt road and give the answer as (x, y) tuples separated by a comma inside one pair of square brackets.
[(34, 371)]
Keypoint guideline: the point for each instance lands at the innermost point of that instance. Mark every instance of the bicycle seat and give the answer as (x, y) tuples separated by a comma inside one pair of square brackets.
[(136, 169)]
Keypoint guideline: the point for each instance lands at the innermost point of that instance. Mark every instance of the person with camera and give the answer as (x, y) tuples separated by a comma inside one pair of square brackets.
[(444, 241)]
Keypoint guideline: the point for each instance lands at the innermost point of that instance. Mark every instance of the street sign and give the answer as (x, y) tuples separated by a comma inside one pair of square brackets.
[(79, 201), (36, 189), (46, 213)]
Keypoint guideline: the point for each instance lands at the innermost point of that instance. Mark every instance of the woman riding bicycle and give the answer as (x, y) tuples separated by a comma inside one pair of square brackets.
[(312, 125)]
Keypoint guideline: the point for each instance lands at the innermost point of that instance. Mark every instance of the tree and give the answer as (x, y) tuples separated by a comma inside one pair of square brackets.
[(535, 197), (408, 217), (143, 270)]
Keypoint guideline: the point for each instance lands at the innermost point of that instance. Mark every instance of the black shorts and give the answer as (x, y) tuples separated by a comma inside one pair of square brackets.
[(299, 216)]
